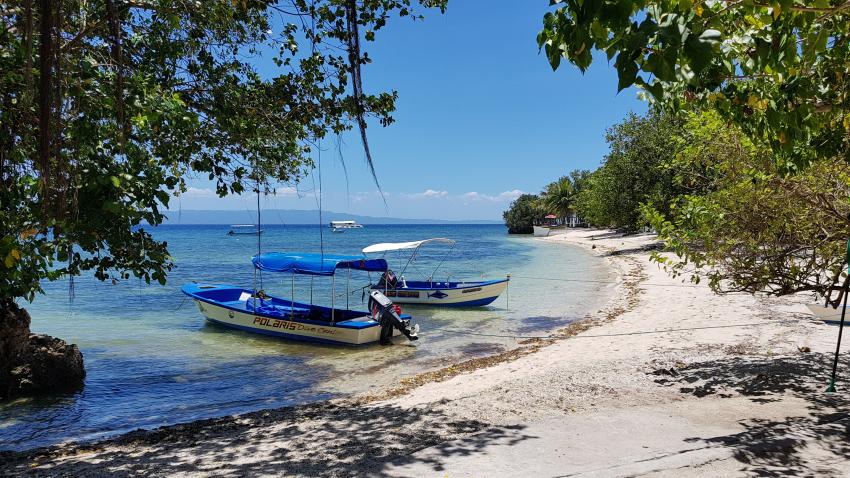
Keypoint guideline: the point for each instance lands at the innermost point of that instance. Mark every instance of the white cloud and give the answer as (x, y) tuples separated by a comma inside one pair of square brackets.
[(501, 197), (430, 193), (286, 192), (510, 195), (364, 195), (193, 192), (427, 194)]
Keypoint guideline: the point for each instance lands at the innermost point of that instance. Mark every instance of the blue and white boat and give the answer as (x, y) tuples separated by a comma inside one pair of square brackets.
[(430, 291), (254, 311)]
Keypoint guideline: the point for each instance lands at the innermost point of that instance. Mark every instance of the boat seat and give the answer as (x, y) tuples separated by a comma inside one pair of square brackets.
[(278, 310)]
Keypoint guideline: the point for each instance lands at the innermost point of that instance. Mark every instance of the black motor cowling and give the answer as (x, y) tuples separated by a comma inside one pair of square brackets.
[(388, 281), (385, 313)]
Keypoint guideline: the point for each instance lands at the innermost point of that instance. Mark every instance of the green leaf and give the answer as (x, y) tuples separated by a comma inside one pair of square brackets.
[(626, 72)]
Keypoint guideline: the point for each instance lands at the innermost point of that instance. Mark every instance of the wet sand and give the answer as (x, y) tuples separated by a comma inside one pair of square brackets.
[(668, 379)]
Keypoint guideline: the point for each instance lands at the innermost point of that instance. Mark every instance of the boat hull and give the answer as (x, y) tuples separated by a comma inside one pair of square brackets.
[(448, 294), (352, 329), (541, 231), (827, 314)]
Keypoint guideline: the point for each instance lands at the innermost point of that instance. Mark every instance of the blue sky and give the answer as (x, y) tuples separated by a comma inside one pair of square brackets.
[(480, 118)]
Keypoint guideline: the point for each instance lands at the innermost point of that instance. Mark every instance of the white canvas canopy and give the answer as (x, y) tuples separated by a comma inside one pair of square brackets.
[(398, 246)]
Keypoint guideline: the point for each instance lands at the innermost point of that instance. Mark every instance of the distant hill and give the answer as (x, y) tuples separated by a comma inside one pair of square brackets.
[(294, 216)]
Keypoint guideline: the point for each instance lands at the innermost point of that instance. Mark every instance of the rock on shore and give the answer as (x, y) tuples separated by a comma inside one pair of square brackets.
[(32, 364), (47, 365)]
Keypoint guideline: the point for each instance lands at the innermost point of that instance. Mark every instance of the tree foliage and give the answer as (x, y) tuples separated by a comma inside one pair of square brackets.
[(107, 105), (632, 173), (558, 197), (523, 214), (778, 69), (743, 223)]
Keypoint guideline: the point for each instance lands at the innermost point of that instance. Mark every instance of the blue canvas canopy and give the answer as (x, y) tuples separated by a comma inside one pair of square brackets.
[(315, 264)]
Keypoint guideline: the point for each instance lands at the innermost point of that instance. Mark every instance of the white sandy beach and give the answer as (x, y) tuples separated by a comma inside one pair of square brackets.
[(670, 380)]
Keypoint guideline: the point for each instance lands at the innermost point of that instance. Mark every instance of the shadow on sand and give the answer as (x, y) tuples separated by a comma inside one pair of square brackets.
[(777, 448), (325, 439)]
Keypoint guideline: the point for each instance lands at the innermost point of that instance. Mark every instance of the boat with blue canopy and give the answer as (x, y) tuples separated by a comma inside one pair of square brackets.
[(431, 291), (254, 311)]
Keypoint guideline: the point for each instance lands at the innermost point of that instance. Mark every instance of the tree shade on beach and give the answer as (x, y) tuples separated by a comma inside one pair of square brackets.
[(107, 106)]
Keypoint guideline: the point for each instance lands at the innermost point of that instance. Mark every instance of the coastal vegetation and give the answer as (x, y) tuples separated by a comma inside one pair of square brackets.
[(747, 225), (778, 70), (753, 190), (722, 204), (633, 172), (558, 198), (106, 107), (523, 213)]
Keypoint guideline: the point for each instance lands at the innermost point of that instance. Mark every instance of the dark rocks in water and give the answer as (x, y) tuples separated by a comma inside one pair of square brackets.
[(521, 230), (32, 364), (14, 339), (48, 365)]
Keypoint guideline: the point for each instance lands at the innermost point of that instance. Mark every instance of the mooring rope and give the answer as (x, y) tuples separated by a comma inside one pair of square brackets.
[(595, 281), (182, 302)]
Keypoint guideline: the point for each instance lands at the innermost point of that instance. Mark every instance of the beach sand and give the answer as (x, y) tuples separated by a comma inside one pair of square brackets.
[(669, 379)]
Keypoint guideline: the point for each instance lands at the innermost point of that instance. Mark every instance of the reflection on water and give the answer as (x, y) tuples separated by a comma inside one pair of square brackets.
[(151, 359)]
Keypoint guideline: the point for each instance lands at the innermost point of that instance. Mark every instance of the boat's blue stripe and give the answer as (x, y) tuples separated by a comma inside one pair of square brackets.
[(468, 285), (340, 324), (468, 303), (300, 338)]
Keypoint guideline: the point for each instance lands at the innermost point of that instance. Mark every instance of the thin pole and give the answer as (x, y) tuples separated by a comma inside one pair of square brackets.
[(259, 224), (311, 291), (292, 297), (333, 296), (445, 256), (347, 290), (508, 294), (831, 387)]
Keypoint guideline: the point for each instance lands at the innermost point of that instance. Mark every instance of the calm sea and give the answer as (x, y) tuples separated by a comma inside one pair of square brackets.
[(153, 360)]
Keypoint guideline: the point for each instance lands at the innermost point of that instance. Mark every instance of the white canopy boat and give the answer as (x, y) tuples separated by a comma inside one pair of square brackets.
[(342, 226), (429, 291)]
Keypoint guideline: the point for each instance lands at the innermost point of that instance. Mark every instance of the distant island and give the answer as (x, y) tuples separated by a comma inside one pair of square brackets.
[(295, 216)]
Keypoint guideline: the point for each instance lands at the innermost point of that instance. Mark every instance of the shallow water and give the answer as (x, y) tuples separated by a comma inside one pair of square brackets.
[(152, 360)]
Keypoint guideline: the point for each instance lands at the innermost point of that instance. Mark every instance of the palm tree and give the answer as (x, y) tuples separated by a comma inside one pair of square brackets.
[(558, 197)]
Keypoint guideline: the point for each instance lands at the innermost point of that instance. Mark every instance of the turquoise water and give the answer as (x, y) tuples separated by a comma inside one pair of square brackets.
[(152, 359)]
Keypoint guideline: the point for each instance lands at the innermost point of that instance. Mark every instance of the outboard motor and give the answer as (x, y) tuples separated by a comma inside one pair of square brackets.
[(388, 280), (388, 315)]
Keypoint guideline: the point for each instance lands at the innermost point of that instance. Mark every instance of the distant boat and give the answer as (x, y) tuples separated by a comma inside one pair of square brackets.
[(244, 229), (431, 292), (341, 226)]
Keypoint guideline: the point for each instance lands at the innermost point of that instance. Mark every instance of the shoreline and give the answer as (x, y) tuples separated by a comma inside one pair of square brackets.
[(727, 367)]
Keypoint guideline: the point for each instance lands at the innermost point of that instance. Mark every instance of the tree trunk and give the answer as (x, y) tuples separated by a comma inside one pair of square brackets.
[(14, 341)]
